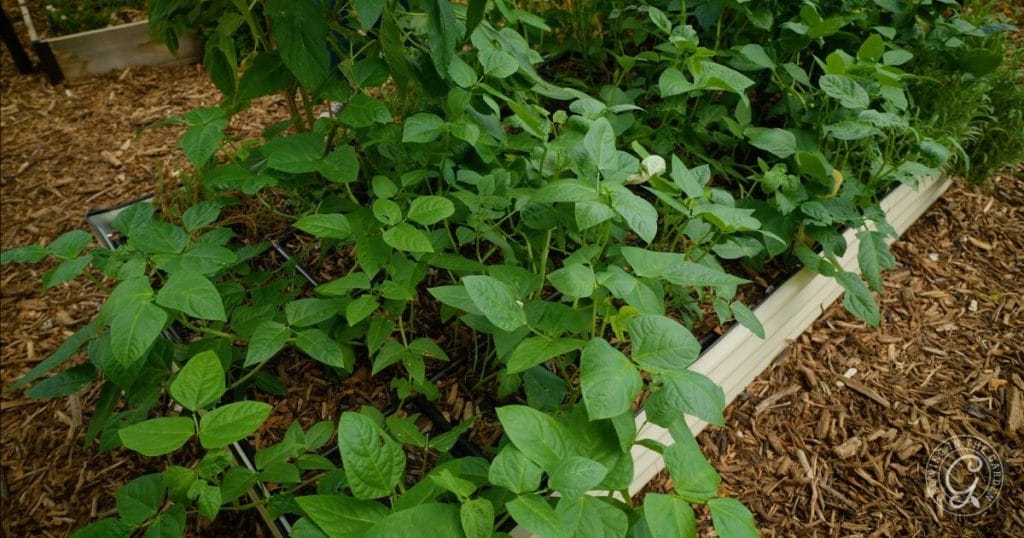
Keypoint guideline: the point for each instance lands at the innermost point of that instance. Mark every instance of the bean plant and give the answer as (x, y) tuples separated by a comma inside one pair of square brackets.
[(567, 189)]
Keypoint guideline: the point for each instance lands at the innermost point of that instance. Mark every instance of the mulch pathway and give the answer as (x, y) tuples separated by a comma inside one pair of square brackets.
[(832, 440)]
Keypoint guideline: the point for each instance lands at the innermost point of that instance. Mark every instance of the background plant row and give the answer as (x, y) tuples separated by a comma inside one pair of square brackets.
[(576, 185)]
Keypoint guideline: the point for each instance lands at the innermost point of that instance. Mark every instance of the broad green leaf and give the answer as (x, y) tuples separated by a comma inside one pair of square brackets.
[(675, 269), (428, 520), (208, 499), (590, 214), (512, 470), (477, 516), (296, 154), (157, 237), (731, 518), (200, 382), (873, 257), (566, 190), (66, 271), (575, 281), (673, 82), (322, 348), (234, 176), (641, 216), (871, 49), (204, 134), (686, 392), (897, 57), (668, 515), (63, 384), (846, 90), (157, 436), (858, 299), (105, 528), (300, 31), (474, 16), (307, 312), (662, 345), (427, 210), (498, 63), (232, 422), (368, 12), (27, 254), (364, 111), (708, 74), (327, 225), (340, 516), (586, 516), (535, 515), (423, 127), (756, 55), (268, 338), (342, 286), (537, 435), (69, 244), (538, 349), (192, 294), (386, 211), (576, 475), (266, 74), (140, 499), (460, 487), (134, 329), (746, 317), (693, 477), (236, 482), (442, 33), (340, 165), (169, 524), (359, 309), (496, 301), (202, 258), (199, 215), (408, 238), (600, 145), (608, 380), (374, 463), (778, 142), (851, 130), (462, 73), (728, 219)]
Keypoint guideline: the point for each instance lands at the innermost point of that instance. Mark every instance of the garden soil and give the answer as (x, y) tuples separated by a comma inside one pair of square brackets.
[(810, 450)]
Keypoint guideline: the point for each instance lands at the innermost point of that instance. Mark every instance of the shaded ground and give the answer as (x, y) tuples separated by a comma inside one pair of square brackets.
[(808, 455)]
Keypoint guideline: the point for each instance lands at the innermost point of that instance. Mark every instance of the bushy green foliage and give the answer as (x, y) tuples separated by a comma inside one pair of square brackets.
[(568, 187), (68, 16)]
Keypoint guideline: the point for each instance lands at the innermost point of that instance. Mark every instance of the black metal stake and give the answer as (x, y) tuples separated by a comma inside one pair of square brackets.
[(21, 59)]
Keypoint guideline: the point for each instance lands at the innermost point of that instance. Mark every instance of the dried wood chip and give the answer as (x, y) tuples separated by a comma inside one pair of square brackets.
[(848, 448), (867, 391)]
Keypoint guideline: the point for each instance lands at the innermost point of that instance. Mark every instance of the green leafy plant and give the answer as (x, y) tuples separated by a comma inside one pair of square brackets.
[(476, 185)]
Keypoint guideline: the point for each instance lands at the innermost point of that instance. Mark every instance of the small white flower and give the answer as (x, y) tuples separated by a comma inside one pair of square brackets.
[(652, 165)]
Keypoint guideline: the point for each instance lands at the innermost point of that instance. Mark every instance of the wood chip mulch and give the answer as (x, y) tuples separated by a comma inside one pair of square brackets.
[(834, 438)]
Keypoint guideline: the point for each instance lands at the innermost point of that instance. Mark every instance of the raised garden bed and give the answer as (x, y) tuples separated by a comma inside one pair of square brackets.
[(577, 247), (72, 56)]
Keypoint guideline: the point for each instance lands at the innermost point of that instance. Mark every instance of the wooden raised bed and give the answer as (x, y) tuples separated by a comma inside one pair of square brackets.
[(107, 49)]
